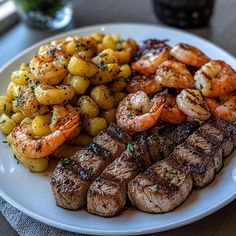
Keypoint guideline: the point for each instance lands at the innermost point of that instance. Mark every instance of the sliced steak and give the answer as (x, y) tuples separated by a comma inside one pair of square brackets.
[(206, 148), (107, 194), (72, 177), (163, 140), (203, 150), (161, 188), (228, 131), (197, 164)]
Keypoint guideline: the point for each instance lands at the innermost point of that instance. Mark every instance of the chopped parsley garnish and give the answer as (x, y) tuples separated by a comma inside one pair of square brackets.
[(103, 67), (4, 141), (130, 147), (17, 161), (3, 121), (172, 175), (4, 107), (95, 148), (155, 136), (65, 162), (37, 83), (154, 188)]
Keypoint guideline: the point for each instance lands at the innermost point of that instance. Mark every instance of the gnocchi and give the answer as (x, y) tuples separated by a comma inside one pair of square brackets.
[(67, 77)]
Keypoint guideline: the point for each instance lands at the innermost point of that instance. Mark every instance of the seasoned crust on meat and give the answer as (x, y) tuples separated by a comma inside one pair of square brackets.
[(107, 194), (70, 182), (160, 189)]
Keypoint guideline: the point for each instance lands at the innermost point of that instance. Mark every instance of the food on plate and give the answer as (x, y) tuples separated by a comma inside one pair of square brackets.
[(192, 103), (107, 194), (163, 138), (215, 79), (168, 182), (73, 176), (223, 108), (28, 146), (49, 65), (161, 188), (172, 74), (162, 99), (189, 55), (66, 77), (152, 53), (137, 112), (143, 83), (171, 112)]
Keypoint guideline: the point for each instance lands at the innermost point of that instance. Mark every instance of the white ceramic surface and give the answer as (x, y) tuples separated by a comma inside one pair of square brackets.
[(31, 193)]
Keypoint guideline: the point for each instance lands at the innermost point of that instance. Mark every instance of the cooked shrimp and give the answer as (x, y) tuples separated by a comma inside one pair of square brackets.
[(49, 65), (215, 79), (170, 112), (224, 109), (137, 112), (30, 147), (143, 83), (153, 53), (175, 75), (192, 103), (62, 114), (28, 103), (189, 55), (50, 95)]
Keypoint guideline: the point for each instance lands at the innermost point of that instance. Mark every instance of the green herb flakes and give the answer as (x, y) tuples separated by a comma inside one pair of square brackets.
[(103, 67), (154, 188), (65, 162), (130, 147)]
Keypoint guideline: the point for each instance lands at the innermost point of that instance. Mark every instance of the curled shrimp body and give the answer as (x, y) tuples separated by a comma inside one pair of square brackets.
[(215, 79), (192, 103), (29, 105), (49, 95), (49, 65), (61, 114), (174, 75), (137, 112), (30, 147), (171, 112), (224, 109), (143, 83), (189, 55), (153, 53)]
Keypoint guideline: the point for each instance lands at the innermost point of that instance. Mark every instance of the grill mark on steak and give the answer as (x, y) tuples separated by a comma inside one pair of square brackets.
[(168, 138), (199, 157), (96, 149), (117, 133), (71, 182)]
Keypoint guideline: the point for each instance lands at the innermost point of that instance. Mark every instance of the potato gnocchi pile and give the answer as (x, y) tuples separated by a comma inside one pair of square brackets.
[(85, 75)]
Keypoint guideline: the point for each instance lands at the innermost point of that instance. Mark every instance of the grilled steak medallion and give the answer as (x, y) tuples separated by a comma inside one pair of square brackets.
[(162, 140), (107, 194), (160, 189), (72, 177), (201, 154), (198, 165), (196, 160)]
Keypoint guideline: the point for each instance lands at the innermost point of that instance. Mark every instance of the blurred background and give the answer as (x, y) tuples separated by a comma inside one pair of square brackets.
[(89, 12)]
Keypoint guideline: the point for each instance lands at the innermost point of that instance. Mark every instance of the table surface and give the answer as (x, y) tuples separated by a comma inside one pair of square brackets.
[(221, 31)]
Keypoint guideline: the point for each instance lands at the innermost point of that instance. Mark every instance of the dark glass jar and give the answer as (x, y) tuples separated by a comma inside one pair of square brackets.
[(45, 14), (184, 13)]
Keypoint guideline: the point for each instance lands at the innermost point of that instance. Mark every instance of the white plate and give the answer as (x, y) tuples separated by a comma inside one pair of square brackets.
[(31, 193)]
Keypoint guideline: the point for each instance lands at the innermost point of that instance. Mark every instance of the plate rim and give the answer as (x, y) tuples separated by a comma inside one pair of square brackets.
[(70, 228)]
